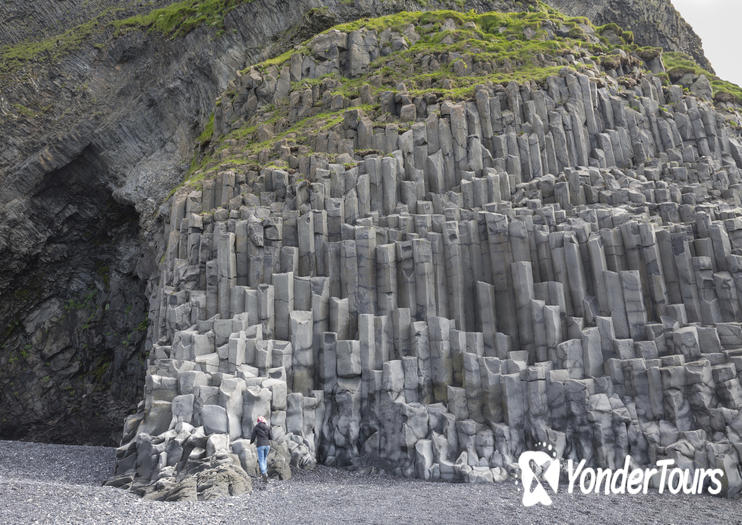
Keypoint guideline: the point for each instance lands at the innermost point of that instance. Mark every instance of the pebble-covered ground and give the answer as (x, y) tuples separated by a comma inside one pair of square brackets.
[(62, 484)]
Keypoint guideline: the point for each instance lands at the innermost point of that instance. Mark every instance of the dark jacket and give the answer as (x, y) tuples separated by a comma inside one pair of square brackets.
[(261, 432)]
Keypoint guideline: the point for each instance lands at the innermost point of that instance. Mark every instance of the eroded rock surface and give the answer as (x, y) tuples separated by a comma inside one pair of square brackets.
[(98, 113), (429, 271)]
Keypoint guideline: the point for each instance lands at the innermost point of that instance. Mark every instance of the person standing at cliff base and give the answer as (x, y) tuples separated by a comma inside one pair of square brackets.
[(262, 432)]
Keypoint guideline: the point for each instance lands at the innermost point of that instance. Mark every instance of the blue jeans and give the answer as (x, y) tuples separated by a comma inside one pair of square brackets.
[(263, 458)]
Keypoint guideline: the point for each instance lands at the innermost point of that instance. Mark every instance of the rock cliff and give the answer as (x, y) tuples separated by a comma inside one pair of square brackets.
[(654, 22), (100, 104), (429, 241)]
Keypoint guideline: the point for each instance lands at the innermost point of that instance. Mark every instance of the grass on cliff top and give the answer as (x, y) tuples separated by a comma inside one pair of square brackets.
[(492, 27), (54, 47), (679, 64), (502, 47), (520, 37), (522, 46), (520, 40), (172, 21), (180, 18)]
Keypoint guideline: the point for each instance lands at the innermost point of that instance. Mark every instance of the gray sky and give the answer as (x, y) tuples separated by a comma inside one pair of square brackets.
[(719, 24)]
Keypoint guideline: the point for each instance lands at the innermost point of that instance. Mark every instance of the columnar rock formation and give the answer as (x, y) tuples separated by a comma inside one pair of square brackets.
[(101, 102), (432, 280)]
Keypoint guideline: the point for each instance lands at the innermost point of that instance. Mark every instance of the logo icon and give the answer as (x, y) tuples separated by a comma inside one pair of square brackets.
[(531, 462), (540, 469)]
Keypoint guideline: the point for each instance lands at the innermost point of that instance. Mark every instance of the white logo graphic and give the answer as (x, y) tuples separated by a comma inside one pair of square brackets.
[(542, 468), (531, 461)]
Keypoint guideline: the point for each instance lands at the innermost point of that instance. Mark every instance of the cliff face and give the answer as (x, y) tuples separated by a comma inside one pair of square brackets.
[(92, 144), (429, 242), (33, 21), (94, 139), (97, 127), (654, 23)]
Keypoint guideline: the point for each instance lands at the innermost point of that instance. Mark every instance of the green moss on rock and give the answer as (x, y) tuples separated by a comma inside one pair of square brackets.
[(180, 18), (679, 65), (205, 136), (172, 21)]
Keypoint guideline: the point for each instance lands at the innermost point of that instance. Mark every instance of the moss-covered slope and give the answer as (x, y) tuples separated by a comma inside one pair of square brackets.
[(434, 54)]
